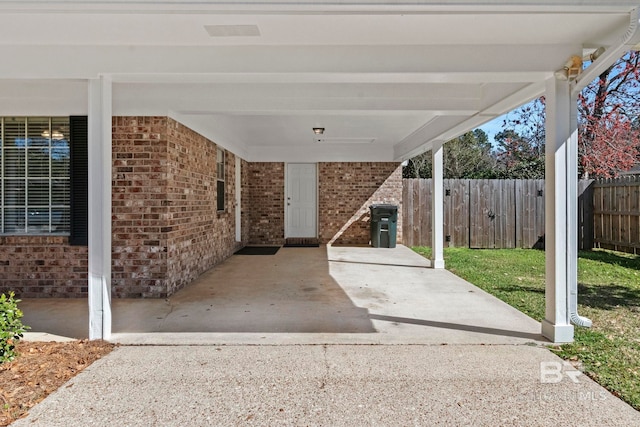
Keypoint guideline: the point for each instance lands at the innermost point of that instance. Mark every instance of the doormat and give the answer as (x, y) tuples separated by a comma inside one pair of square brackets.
[(258, 250), (301, 245), (301, 242)]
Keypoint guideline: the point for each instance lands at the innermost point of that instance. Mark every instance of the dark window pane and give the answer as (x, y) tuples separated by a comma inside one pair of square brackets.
[(60, 192), (38, 130), (15, 131), (14, 192), (38, 219), (14, 161), (59, 220), (220, 195), (38, 192), (38, 161), (60, 158), (14, 220)]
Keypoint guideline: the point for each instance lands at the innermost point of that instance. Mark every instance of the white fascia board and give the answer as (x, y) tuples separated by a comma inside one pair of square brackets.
[(334, 77), (86, 62), (43, 97), (513, 101), (423, 138), (310, 6), (411, 146)]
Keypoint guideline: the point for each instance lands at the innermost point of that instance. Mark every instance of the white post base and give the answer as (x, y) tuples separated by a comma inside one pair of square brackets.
[(437, 263), (558, 334)]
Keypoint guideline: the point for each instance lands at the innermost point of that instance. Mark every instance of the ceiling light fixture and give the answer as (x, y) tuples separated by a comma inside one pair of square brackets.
[(572, 69), (318, 131), (56, 135)]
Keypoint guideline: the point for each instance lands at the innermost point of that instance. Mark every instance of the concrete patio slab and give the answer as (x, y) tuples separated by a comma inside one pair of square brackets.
[(325, 295), (319, 385)]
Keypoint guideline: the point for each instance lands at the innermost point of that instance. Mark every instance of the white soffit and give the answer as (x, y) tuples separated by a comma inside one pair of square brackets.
[(343, 140), (223, 30), (306, 29), (257, 76)]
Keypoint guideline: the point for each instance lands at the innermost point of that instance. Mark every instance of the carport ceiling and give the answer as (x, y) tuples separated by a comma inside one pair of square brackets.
[(257, 76)]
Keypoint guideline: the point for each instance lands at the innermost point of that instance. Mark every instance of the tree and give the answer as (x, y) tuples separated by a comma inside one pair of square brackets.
[(521, 154), (418, 166), (608, 127), (468, 156), (608, 110)]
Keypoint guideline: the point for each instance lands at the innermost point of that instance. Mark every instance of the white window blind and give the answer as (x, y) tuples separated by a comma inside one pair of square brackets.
[(34, 175)]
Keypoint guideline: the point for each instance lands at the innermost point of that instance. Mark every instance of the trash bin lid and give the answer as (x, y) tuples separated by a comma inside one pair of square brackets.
[(384, 207)]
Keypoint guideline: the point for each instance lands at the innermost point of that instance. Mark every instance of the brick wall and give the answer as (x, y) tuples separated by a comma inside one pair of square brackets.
[(198, 235), (42, 266), (245, 195), (266, 201), (166, 229), (139, 215), (346, 190)]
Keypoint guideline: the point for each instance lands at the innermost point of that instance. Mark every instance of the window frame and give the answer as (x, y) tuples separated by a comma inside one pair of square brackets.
[(31, 226), (221, 186)]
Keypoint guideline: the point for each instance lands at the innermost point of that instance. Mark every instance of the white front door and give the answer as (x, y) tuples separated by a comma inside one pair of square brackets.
[(301, 203)]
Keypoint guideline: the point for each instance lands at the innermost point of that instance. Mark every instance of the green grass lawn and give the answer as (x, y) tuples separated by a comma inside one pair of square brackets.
[(608, 294)]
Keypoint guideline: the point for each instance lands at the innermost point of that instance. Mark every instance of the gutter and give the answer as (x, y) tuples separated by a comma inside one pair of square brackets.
[(629, 40)]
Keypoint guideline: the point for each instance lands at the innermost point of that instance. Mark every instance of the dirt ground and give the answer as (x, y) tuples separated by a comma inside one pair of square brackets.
[(40, 369)]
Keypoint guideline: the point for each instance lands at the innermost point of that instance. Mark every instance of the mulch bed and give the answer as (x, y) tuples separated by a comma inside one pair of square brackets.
[(40, 369)]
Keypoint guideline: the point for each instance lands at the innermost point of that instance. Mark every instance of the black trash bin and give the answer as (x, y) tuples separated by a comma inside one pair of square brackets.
[(384, 225)]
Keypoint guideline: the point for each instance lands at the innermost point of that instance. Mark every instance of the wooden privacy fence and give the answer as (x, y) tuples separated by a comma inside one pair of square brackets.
[(486, 213), (616, 214)]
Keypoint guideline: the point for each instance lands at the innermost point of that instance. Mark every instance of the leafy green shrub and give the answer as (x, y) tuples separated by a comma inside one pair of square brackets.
[(11, 328)]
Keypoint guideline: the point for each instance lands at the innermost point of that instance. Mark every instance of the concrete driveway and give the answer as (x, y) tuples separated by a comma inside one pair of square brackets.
[(329, 298), (329, 385), (326, 295)]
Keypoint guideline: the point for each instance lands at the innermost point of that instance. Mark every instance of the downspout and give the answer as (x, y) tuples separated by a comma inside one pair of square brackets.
[(572, 214), (628, 40)]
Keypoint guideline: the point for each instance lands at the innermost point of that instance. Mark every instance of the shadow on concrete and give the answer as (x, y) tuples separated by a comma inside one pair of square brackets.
[(459, 327), (65, 317), (344, 295), (289, 292), (379, 263)]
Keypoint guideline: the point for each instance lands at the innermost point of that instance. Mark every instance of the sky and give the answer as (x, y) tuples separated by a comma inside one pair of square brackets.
[(493, 127)]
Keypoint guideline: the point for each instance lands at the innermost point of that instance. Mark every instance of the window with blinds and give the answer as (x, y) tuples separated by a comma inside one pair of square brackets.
[(34, 175)]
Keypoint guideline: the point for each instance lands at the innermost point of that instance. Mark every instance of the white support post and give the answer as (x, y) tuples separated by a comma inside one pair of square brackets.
[(560, 198), (437, 205), (99, 153)]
